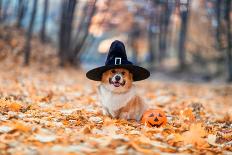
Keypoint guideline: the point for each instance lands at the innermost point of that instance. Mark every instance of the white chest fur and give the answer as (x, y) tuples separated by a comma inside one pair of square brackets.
[(113, 101)]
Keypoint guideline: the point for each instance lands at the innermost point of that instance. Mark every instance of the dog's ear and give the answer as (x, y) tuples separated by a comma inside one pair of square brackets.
[(104, 76), (131, 76)]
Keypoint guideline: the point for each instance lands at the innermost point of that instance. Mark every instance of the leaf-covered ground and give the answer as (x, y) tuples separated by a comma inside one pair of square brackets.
[(48, 110), (56, 111)]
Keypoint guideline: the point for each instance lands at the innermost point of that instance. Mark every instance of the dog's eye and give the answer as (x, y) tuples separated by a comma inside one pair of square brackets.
[(123, 73), (151, 115), (113, 71), (160, 115)]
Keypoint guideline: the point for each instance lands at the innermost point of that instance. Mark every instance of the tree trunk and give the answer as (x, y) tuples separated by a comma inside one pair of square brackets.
[(134, 35), (0, 11), (218, 16), (85, 33), (229, 44), (27, 47), (71, 8), (21, 12), (164, 22), (61, 32), (151, 43), (82, 23), (44, 21), (68, 8), (182, 39), (5, 9)]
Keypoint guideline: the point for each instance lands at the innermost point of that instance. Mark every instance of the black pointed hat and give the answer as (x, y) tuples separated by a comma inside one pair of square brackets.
[(117, 58)]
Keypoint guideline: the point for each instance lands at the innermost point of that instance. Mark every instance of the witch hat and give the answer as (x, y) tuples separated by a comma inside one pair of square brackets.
[(117, 58)]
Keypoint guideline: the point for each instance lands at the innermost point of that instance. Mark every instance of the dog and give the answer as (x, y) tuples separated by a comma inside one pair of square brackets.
[(118, 96), (116, 91)]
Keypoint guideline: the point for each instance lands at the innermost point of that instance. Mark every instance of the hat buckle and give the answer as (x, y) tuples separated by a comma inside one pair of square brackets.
[(117, 59)]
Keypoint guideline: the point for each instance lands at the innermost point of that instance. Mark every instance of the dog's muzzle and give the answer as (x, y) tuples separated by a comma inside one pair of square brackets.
[(117, 80)]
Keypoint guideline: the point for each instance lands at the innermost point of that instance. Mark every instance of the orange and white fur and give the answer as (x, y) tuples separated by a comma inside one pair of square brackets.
[(118, 96)]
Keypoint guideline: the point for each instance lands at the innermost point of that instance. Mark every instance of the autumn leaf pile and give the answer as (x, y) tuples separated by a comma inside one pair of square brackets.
[(49, 110)]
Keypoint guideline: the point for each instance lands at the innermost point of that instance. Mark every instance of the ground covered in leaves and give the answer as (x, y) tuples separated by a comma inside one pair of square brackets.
[(48, 110)]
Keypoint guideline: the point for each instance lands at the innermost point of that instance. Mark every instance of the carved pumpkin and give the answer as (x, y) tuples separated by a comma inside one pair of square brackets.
[(154, 118)]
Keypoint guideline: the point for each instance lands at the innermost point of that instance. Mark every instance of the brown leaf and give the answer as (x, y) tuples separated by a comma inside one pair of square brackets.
[(15, 107), (189, 114), (140, 149), (21, 126), (195, 135)]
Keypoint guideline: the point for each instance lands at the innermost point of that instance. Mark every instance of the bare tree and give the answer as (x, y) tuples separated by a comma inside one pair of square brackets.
[(83, 31), (27, 46), (82, 19), (164, 22), (0, 10), (153, 32), (151, 38), (184, 11), (134, 34), (62, 32), (5, 8), (22, 6), (229, 44), (67, 14), (218, 17), (44, 21)]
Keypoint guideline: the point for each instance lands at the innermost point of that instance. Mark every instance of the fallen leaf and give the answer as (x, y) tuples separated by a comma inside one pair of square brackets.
[(195, 135), (73, 148), (45, 138), (5, 129), (188, 113), (211, 139), (176, 137), (140, 149), (96, 119), (48, 97), (15, 107), (21, 126)]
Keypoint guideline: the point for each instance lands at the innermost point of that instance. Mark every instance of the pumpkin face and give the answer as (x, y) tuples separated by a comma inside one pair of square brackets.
[(154, 118)]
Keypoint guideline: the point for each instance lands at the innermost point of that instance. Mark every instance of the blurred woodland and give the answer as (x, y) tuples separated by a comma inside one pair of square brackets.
[(189, 37), (48, 106)]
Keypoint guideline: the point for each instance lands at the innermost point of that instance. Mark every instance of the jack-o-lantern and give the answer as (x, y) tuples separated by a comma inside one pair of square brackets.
[(154, 118)]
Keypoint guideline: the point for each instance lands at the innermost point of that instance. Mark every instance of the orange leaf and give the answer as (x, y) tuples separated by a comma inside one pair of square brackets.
[(48, 97), (21, 126), (140, 149), (189, 114), (15, 107), (177, 137), (195, 135)]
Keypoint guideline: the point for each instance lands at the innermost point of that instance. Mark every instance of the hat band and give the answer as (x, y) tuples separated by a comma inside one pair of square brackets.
[(116, 60)]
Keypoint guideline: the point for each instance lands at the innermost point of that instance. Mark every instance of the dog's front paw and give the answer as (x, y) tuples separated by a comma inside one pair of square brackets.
[(105, 112), (125, 115)]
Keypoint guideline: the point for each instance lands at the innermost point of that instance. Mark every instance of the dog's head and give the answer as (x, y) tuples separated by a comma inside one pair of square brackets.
[(118, 80)]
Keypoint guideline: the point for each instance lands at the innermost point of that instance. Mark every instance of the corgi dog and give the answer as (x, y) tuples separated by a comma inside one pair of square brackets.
[(118, 96)]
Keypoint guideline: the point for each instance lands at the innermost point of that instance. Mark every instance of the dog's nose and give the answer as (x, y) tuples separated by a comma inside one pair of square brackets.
[(156, 119), (117, 78)]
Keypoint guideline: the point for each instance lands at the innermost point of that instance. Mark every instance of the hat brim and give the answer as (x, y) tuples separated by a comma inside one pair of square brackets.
[(139, 73)]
